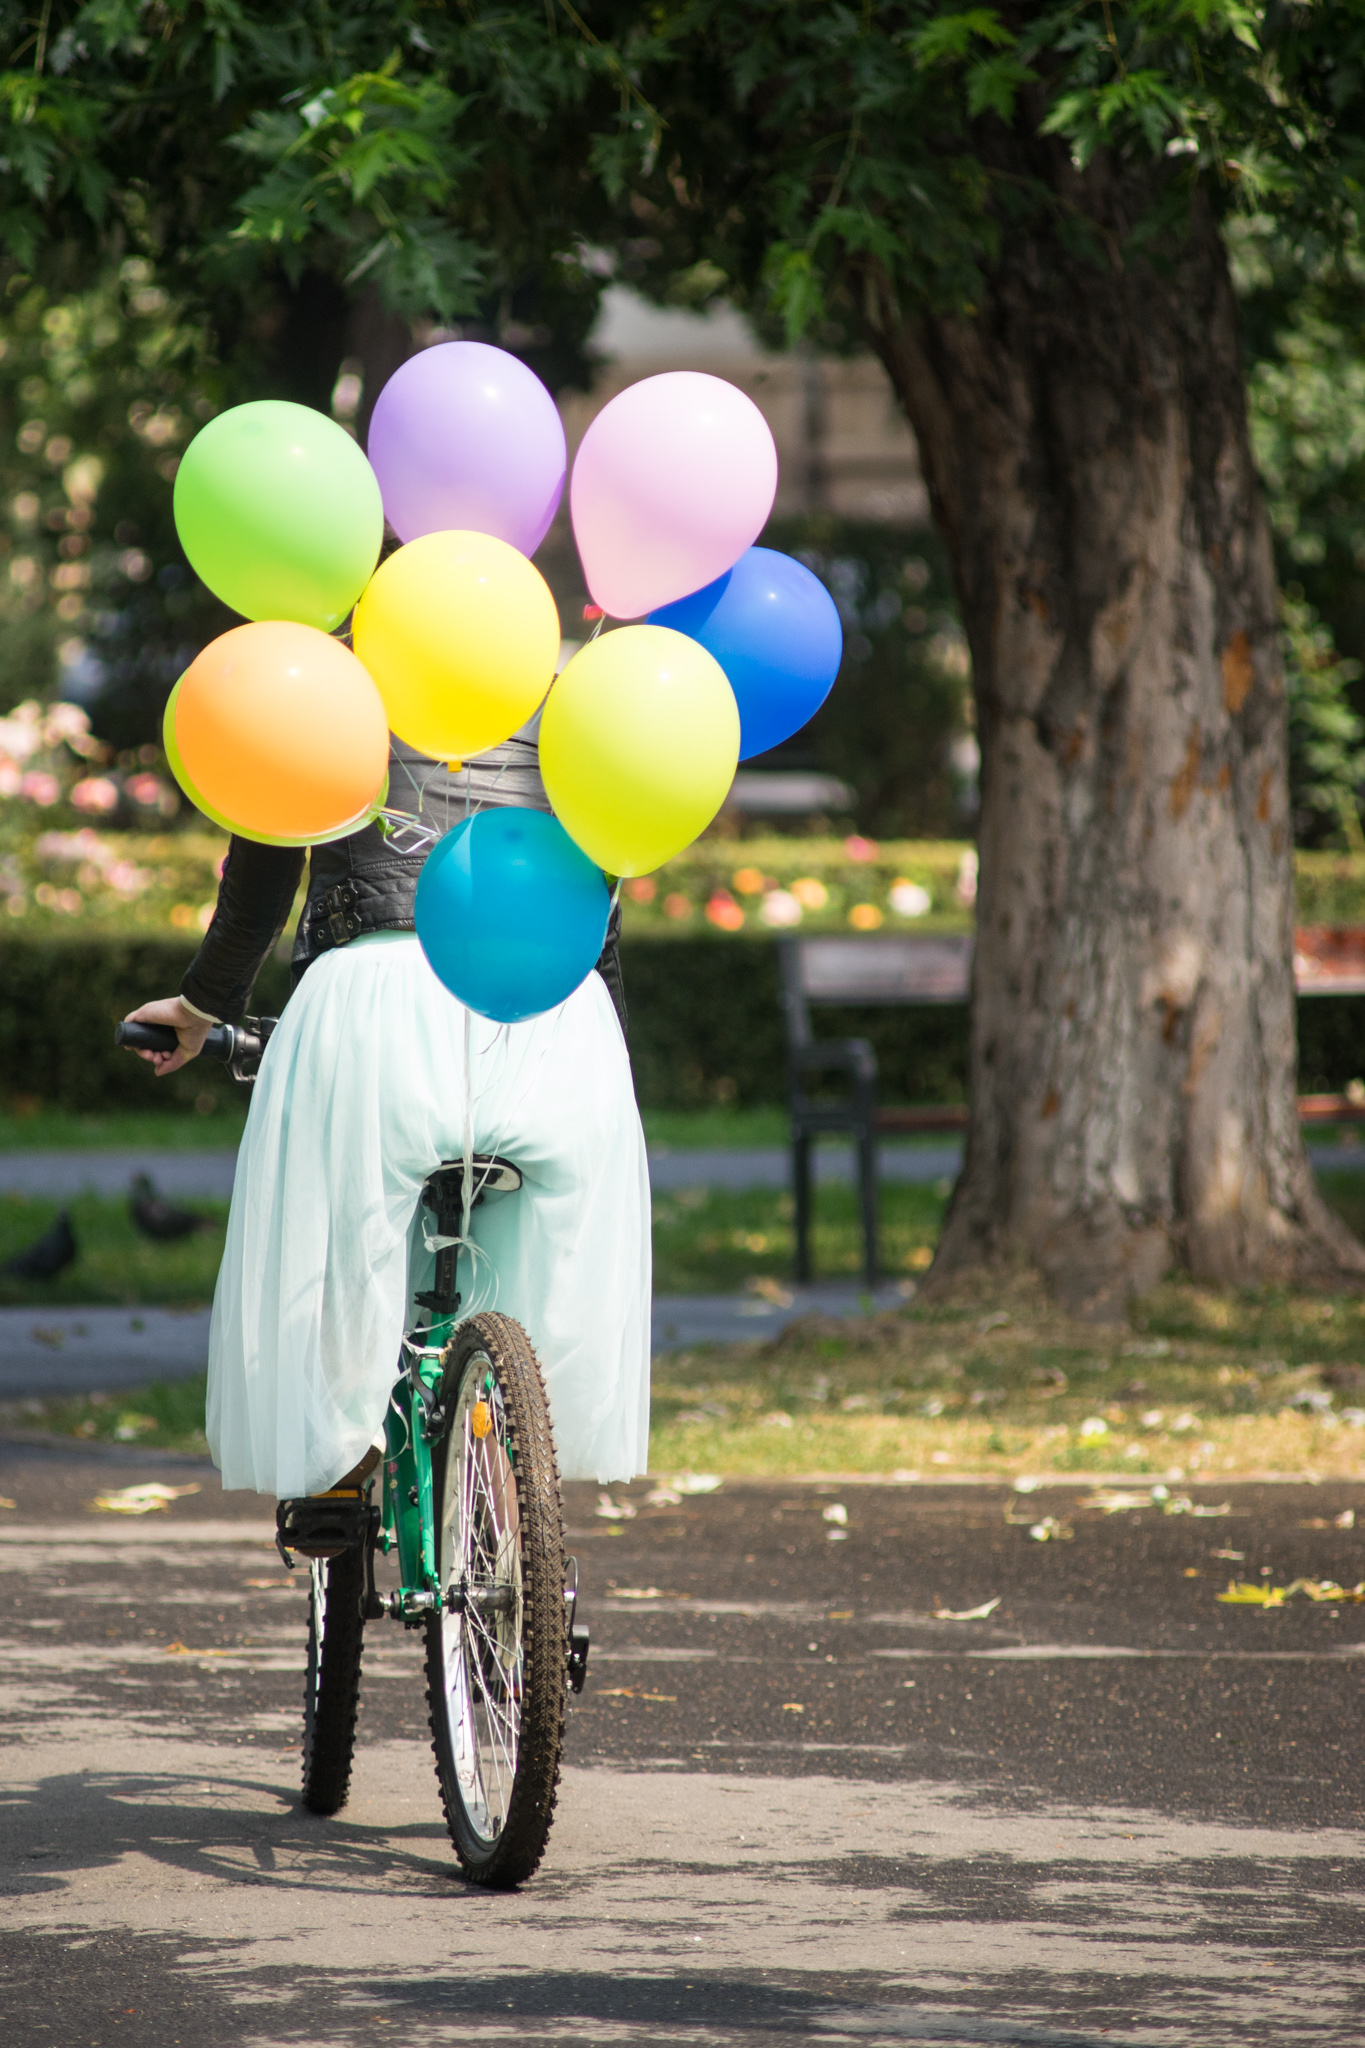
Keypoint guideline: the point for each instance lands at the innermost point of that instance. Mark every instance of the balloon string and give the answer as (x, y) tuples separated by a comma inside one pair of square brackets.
[(601, 621), (616, 892), (467, 1178)]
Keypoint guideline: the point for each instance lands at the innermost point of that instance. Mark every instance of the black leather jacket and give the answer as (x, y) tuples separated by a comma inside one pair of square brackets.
[(358, 884)]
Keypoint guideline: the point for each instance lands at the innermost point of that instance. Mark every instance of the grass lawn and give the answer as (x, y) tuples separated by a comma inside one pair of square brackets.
[(705, 1241), (115, 1263), (717, 1240), (61, 1130), (58, 1130)]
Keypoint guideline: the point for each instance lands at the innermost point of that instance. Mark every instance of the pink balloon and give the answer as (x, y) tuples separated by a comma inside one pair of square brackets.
[(465, 438), (674, 480)]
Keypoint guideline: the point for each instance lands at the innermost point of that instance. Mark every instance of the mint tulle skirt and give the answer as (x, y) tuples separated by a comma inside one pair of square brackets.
[(361, 1093)]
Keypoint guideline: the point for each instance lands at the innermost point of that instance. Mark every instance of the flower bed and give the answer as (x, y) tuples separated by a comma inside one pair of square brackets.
[(777, 885), (121, 882)]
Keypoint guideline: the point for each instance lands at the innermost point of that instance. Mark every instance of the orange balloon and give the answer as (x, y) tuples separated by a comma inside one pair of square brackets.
[(282, 730)]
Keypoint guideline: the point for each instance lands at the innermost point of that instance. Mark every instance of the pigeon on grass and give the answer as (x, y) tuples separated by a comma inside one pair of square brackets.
[(47, 1256), (158, 1219)]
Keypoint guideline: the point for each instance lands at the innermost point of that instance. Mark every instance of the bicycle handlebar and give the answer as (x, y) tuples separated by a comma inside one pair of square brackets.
[(238, 1046)]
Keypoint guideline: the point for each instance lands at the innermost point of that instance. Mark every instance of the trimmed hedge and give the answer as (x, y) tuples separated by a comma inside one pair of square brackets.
[(705, 1026), (59, 1001)]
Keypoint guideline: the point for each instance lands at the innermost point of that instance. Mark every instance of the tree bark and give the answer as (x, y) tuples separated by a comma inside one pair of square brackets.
[(1133, 1055)]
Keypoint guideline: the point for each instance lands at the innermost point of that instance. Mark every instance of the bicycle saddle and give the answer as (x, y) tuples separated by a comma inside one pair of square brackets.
[(443, 1190)]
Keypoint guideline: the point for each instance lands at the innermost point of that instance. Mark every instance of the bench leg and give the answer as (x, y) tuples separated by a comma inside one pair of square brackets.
[(801, 1195), (867, 1195)]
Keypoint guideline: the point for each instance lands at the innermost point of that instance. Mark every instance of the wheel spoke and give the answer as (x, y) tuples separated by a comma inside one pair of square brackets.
[(482, 1656)]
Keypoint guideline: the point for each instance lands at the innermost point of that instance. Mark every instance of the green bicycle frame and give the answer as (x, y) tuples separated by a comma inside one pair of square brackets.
[(408, 1509)]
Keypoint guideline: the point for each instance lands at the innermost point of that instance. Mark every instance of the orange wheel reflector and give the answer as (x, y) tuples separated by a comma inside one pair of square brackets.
[(481, 1418)]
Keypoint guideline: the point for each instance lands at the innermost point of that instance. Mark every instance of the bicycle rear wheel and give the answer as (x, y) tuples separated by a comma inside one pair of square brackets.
[(497, 1648), (332, 1683)]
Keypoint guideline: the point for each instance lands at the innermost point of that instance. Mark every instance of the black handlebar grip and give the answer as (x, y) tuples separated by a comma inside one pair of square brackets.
[(146, 1037), (238, 1046)]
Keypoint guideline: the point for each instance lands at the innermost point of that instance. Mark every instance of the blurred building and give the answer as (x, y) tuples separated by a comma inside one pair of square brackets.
[(843, 444)]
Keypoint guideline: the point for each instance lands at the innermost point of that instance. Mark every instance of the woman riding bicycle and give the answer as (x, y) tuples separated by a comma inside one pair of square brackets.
[(375, 1075)]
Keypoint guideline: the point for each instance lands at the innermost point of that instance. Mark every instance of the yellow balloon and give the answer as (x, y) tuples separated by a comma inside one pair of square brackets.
[(461, 636), (639, 742)]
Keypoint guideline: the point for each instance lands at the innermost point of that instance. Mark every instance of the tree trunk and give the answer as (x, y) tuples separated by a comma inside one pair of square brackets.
[(1133, 1056)]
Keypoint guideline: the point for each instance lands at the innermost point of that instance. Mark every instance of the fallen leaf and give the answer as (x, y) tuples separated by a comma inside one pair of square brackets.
[(6, 1503), (663, 1497), (792, 1707), (986, 1608), (1232, 1556), (1050, 1530), (140, 1500), (634, 1593), (609, 1510), (835, 1512), (1322, 1591), (695, 1482)]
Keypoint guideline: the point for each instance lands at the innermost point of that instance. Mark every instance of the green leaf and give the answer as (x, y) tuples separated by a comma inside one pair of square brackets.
[(993, 84), (948, 38)]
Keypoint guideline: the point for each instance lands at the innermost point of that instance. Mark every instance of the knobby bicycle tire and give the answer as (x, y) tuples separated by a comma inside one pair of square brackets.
[(504, 1669), (332, 1682)]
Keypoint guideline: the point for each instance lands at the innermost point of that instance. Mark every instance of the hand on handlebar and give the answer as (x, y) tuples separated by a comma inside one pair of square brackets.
[(189, 1029)]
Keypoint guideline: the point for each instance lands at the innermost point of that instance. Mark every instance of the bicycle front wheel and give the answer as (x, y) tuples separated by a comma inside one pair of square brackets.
[(497, 1648), (331, 1695)]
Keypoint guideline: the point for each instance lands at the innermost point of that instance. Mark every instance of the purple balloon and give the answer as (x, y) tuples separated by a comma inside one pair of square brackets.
[(465, 438)]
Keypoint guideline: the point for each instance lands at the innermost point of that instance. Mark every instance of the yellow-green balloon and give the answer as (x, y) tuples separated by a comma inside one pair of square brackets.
[(279, 513), (639, 741)]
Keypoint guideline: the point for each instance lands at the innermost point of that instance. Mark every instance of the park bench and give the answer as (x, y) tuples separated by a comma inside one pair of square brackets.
[(903, 969)]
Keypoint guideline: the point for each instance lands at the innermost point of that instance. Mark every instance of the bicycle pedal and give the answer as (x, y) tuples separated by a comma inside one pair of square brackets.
[(578, 1655), (322, 1525)]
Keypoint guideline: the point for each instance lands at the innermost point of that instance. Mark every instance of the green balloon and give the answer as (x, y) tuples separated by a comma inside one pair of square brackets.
[(280, 513)]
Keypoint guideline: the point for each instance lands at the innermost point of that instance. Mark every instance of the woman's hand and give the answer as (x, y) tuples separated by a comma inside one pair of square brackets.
[(189, 1029)]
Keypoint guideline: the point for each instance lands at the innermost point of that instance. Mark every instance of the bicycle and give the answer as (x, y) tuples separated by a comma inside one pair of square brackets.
[(470, 1501)]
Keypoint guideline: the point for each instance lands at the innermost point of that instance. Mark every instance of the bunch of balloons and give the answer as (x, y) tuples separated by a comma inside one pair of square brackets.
[(279, 729)]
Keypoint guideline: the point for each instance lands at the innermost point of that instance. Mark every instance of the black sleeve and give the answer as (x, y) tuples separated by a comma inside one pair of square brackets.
[(255, 897), (609, 965)]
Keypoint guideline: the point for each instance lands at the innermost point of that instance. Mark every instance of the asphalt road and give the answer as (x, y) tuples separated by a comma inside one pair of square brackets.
[(796, 1808)]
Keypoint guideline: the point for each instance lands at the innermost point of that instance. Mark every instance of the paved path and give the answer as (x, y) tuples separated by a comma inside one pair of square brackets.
[(50, 1351), (797, 1807), (208, 1175)]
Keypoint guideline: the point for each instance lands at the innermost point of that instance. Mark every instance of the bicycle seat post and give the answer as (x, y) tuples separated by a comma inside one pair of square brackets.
[(443, 1194)]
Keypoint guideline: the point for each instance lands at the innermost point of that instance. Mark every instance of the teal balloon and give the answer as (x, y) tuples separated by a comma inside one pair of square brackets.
[(510, 913), (279, 513)]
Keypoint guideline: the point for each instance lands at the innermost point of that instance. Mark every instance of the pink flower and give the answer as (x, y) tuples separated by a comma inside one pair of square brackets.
[(858, 848), (145, 789), (127, 879), (96, 794), (11, 779), (40, 787)]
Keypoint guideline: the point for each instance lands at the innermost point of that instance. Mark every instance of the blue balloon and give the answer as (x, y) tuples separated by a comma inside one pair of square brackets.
[(511, 914), (774, 629)]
